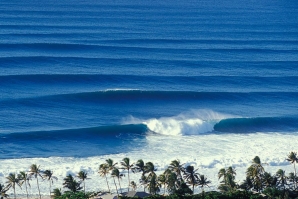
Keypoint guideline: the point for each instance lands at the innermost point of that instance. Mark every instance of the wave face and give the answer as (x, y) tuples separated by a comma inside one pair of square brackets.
[(253, 125), (72, 142)]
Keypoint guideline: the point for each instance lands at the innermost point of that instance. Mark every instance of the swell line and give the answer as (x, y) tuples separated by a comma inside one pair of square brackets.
[(95, 47), (119, 95), (258, 124)]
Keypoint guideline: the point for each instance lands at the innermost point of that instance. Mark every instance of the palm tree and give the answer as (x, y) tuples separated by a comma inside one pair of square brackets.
[(24, 178), (149, 168), (162, 180), (292, 179), (71, 184), (231, 171), (257, 164), (255, 172), (281, 178), (144, 181), (255, 177), (82, 175), (228, 183), (35, 171), (191, 176), (3, 192), (247, 184), (176, 167), (111, 166), (103, 171), (57, 193), (222, 174), (293, 158), (269, 180), (140, 167), (171, 180), (116, 173), (12, 181), (48, 175), (152, 180), (153, 185), (203, 181), (127, 166)]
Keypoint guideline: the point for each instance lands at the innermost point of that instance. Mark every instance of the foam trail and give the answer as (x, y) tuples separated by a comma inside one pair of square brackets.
[(188, 123), (208, 153)]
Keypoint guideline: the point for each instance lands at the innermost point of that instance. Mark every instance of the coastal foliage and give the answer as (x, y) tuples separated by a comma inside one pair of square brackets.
[(24, 178), (177, 181), (71, 184), (3, 192), (82, 175)]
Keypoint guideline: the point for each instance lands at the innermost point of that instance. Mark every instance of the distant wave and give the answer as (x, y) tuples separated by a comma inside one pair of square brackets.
[(83, 47), (13, 63), (258, 124), (106, 78), (131, 95), (77, 134)]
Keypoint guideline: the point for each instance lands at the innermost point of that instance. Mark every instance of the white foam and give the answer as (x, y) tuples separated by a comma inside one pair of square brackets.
[(121, 89), (188, 123), (208, 153), (171, 126)]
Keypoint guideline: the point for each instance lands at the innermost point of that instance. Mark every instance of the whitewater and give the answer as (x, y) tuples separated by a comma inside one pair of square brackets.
[(213, 84)]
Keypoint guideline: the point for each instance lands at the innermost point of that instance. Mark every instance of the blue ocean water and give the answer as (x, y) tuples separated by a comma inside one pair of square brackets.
[(83, 78)]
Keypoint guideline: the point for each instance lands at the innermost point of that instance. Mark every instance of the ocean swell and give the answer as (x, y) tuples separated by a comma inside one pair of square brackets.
[(257, 124)]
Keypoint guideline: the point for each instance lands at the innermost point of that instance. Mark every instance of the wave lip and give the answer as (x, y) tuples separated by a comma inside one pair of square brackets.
[(170, 126), (192, 122)]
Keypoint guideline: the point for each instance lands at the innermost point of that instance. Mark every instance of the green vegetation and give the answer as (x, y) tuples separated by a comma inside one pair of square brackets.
[(74, 195), (177, 181)]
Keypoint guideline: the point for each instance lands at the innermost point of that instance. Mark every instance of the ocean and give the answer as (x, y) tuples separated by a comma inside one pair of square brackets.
[(211, 83)]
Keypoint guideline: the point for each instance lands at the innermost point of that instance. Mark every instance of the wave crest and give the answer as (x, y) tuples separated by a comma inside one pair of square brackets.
[(170, 126), (189, 123)]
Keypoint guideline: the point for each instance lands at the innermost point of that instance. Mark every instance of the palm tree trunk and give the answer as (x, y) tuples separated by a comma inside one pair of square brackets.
[(14, 190), (295, 184), (193, 188), (26, 188), (115, 185), (108, 184), (164, 190), (50, 188), (128, 180), (38, 187), (84, 188), (119, 185)]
